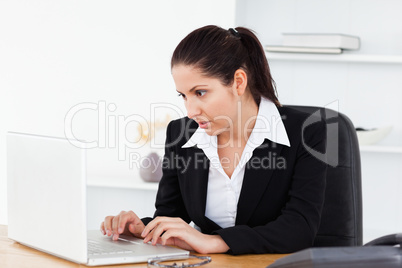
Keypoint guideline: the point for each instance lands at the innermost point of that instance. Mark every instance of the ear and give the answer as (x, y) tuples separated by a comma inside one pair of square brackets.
[(240, 82)]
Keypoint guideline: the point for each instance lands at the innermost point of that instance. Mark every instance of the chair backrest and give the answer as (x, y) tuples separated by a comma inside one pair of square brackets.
[(341, 222)]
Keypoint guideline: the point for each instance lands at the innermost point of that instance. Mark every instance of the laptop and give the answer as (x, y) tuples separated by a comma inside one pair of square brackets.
[(47, 205)]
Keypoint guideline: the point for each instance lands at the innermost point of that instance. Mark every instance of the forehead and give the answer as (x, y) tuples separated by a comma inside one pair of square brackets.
[(187, 76), (183, 71)]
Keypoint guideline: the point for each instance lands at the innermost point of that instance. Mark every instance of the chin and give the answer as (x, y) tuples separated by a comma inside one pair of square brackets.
[(213, 132), (210, 132)]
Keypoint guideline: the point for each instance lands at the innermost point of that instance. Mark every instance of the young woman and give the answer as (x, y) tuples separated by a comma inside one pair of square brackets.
[(237, 166)]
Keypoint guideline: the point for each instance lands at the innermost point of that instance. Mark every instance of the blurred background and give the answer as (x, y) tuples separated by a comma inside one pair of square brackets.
[(100, 69)]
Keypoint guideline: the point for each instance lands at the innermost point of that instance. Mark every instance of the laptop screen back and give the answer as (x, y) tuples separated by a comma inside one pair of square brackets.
[(47, 195)]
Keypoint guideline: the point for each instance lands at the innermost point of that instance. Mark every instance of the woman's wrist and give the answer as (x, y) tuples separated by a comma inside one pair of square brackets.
[(218, 245)]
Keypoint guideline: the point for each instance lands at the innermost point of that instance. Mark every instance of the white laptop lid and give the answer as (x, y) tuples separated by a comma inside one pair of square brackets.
[(47, 195)]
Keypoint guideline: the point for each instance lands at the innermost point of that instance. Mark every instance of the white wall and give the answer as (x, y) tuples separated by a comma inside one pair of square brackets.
[(57, 54), (369, 93)]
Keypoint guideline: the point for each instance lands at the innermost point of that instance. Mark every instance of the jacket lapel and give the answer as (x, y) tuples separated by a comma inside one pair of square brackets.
[(198, 170), (196, 182), (258, 173), (196, 189)]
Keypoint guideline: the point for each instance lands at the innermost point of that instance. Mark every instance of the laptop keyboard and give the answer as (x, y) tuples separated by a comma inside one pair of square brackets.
[(95, 248)]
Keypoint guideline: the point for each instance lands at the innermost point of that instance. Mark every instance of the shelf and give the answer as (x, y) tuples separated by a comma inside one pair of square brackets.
[(358, 58), (136, 184), (381, 149)]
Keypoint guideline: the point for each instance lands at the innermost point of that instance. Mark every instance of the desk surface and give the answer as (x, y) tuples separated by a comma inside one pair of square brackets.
[(13, 254)]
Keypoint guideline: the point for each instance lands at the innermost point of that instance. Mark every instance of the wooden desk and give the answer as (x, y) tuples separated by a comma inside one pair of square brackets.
[(13, 254)]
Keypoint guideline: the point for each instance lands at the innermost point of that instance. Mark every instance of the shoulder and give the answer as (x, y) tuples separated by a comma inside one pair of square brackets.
[(180, 130), (182, 124)]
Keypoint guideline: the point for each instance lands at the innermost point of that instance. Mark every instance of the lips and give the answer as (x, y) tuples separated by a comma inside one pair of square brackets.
[(203, 124)]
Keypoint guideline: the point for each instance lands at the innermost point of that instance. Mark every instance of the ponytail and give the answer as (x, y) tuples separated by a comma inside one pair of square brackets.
[(261, 82), (219, 53)]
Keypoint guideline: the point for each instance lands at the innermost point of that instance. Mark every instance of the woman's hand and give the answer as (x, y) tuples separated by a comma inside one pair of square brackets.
[(175, 231), (127, 223)]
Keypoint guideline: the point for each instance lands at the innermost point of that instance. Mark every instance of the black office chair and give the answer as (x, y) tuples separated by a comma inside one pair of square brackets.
[(341, 222)]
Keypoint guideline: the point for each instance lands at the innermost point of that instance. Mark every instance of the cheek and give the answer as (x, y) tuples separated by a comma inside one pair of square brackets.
[(225, 113)]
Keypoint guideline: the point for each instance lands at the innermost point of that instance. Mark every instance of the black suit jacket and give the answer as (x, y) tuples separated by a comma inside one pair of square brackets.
[(282, 195)]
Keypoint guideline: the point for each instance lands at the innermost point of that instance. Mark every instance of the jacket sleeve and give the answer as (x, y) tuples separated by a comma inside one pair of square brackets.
[(169, 201), (298, 223)]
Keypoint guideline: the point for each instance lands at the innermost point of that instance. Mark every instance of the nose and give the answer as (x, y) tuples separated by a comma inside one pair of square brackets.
[(193, 109)]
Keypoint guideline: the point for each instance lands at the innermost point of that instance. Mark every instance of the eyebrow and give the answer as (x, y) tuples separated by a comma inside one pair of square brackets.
[(192, 89)]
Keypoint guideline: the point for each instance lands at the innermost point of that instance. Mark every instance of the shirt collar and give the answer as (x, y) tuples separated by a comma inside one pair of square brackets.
[(268, 125)]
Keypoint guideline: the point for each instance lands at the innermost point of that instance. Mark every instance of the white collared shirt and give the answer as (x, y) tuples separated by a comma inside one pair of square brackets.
[(223, 192)]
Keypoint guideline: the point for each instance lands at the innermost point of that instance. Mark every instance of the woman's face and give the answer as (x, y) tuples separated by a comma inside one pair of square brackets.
[(212, 105)]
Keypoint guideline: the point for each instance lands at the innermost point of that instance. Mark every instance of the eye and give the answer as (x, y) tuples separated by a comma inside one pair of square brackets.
[(182, 95), (200, 93)]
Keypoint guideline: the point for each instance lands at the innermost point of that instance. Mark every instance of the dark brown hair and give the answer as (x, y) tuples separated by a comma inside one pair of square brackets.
[(219, 53)]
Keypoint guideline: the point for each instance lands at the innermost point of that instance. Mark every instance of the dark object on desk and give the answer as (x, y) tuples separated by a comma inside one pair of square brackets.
[(388, 240), (341, 219), (378, 253)]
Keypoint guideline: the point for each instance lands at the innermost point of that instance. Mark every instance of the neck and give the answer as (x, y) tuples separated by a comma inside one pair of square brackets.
[(247, 111)]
